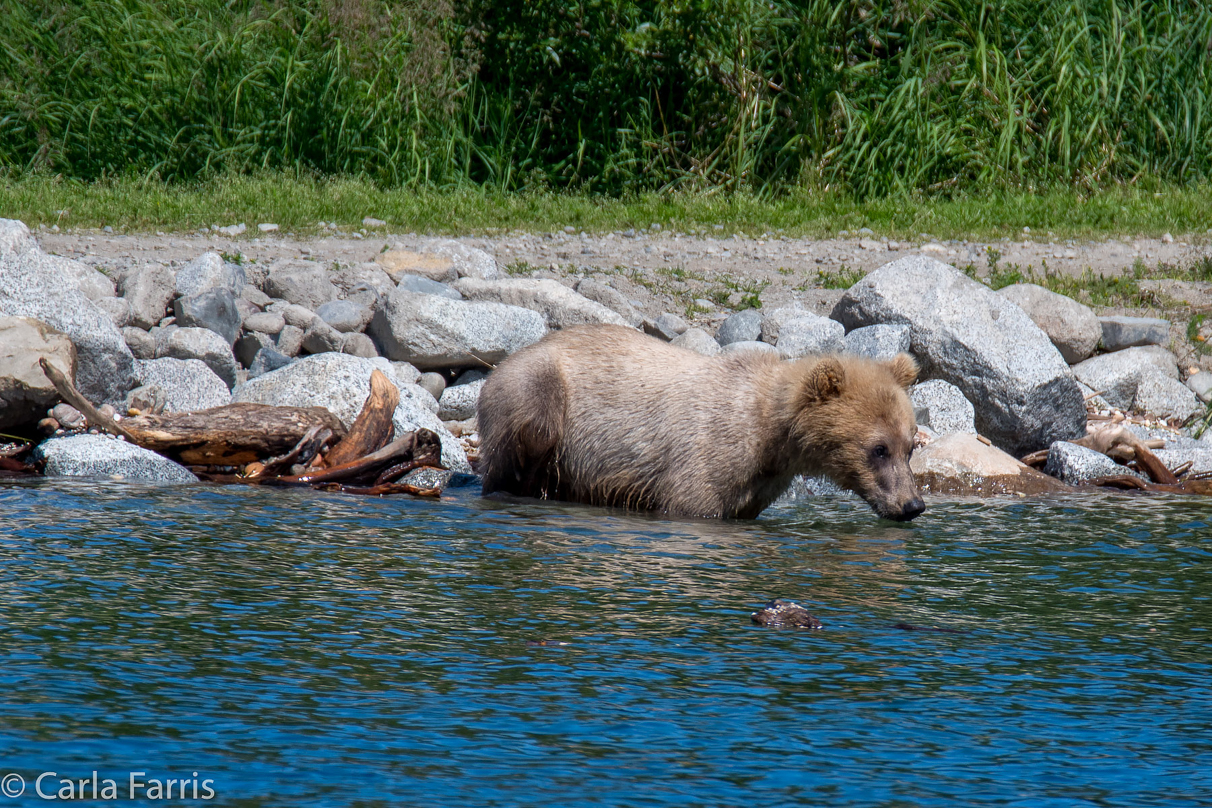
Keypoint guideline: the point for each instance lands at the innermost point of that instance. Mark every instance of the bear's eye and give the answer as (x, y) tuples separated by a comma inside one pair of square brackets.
[(880, 451)]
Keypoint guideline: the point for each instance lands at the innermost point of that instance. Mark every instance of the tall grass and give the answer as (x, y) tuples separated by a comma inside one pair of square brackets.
[(615, 96)]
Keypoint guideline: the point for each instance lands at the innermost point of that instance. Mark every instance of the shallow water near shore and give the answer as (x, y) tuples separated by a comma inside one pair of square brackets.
[(315, 649)]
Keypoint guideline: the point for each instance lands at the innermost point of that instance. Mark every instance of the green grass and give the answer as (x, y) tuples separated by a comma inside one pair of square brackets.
[(299, 204), (616, 97)]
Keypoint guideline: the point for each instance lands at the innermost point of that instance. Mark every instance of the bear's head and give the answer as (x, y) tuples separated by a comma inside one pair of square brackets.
[(855, 422)]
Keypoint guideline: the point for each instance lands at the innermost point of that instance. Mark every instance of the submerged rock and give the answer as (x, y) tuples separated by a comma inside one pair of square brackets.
[(103, 456), (785, 614)]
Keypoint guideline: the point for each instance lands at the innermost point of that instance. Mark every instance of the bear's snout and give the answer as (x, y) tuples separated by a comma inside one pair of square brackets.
[(909, 510)]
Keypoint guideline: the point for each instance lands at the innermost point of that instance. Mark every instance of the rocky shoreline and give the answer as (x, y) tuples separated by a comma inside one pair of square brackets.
[(166, 325)]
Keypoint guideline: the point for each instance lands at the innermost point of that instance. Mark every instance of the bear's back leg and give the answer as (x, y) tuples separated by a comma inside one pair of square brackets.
[(521, 421)]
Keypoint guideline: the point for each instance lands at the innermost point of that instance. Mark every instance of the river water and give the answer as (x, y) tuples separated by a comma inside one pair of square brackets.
[(308, 649)]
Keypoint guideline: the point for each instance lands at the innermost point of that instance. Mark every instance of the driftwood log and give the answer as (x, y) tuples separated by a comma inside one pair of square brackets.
[(232, 435), (372, 430), (266, 441)]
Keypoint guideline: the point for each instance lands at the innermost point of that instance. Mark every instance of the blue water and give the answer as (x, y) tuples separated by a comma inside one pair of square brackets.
[(325, 650)]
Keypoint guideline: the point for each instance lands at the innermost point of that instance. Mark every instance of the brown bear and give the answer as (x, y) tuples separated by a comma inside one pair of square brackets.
[(608, 416)]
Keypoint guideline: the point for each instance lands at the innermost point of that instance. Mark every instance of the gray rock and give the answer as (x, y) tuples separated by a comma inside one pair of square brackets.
[(142, 345), (458, 402), (249, 345), (432, 383), (772, 321), (443, 260), (669, 323), (255, 296), (214, 309), (878, 341), (68, 416), (406, 373), (1158, 394), (353, 277), (92, 284), (750, 345), (341, 383), (1117, 375), (810, 334), (246, 309), (290, 340), (425, 286), (1201, 385), (232, 229), (102, 456), (434, 332), (206, 272), (964, 333), (345, 315), (199, 343), (149, 290), (942, 407), (357, 344), (744, 326), (15, 237), (295, 315), (1075, 464), (25, 392), (697, 340), (473, 375), (266, 322), (1128, 332), (1073, 328), (300, 282), (188, 385), (612, 299), (321, 338), (267, 359), (117, 309), (147, 399), (1199, 454), (560, 306), (427, 477), (32, 284)]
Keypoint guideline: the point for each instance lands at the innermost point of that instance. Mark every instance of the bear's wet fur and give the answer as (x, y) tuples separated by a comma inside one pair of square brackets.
[(608, 416)]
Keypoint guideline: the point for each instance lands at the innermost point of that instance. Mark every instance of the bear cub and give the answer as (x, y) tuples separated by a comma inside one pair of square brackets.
[(607, 416)]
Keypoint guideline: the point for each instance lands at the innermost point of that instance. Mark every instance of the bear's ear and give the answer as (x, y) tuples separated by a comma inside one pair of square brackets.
[(904, 370), (824, 381)]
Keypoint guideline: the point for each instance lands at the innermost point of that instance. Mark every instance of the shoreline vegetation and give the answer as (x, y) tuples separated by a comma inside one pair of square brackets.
[(301, 203), (880, 102)]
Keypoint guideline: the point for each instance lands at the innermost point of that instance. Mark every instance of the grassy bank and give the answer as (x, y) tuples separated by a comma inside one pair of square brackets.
[(615, 97), (298, 205)]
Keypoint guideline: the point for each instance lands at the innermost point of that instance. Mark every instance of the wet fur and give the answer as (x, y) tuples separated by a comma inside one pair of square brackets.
[(607, 416)]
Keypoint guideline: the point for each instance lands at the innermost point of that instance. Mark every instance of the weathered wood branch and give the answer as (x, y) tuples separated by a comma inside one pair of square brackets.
[(372, 430), (69, 393), (408, 445), (233, 435)]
